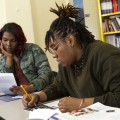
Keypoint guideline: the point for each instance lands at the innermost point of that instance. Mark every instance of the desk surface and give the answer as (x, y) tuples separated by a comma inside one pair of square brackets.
[(13, 110)]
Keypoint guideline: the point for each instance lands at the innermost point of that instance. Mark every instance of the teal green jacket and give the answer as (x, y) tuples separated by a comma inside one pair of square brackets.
[(34, 64)]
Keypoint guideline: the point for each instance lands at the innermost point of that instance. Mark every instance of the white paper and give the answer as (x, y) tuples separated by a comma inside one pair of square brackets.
[(7, 80), (18, 97), (53, 104), (43, 114), (101, 113)]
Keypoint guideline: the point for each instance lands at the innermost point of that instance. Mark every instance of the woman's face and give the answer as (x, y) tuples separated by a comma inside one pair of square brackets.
[(64, 52), (9, 42)]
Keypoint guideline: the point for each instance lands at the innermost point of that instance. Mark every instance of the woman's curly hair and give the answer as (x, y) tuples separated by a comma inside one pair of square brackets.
[(17, 31), (68, 22)]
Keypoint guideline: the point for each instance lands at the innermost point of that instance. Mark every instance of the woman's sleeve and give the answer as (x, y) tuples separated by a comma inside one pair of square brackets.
[(44, 77), (4, 68), (56, 89)]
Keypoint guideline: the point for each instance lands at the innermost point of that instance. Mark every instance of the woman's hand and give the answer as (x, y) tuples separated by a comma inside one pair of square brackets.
[(27, 102), (19, 91), (68, 104), (4, 51)]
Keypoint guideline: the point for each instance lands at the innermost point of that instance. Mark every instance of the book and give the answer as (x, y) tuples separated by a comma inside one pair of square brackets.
[(118, 5), (115, 5), (103, 7)]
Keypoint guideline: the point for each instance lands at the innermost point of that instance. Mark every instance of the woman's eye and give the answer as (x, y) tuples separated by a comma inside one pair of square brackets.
[(4, 39), (14, 40)]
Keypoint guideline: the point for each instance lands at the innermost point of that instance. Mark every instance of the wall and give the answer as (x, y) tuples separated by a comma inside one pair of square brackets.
[(2, 13), (18, 11), (42, 19), (35, 18), (92, 22)]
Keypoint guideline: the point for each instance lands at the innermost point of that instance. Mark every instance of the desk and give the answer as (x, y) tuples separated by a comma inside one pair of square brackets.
[(13, 110)]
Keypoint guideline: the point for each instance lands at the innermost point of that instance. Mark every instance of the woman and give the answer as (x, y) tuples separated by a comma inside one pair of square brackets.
[(89, 70), (26, 61)]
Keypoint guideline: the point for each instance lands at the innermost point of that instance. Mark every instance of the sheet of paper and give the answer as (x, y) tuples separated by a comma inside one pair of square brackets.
[(8, 98), (17, 97), (100, 112), (7, 80), (42, 114), (53, 104)]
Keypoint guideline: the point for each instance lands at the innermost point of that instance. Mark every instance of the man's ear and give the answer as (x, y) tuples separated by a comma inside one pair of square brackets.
[(70, 40)]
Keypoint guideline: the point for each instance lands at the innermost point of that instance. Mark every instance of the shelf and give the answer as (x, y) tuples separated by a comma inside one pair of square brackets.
[(110, 33), (110, 14), (107, 23)]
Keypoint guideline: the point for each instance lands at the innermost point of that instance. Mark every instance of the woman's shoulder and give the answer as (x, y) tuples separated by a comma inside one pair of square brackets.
[(32, 46), (98, 46)]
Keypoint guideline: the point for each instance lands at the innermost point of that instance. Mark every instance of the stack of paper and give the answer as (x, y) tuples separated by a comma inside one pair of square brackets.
[(7, 80)]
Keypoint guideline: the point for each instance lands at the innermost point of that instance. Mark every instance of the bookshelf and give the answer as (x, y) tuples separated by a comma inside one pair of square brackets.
[(109, 22)]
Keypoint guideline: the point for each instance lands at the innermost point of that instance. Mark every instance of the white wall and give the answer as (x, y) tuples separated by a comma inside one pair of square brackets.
[(42, 18), (92, 22), (2, 13), (18, 11), (35, 18)]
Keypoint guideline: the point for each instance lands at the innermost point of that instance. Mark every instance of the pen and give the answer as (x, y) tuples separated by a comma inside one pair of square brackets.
[(110, 111), (26, 92)]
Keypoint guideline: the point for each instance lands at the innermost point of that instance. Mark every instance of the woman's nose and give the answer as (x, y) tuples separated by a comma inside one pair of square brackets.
[(8, 43)]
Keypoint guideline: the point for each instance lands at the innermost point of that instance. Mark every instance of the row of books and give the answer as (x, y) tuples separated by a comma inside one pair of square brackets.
[(111, 24), (113, 40), (110, 6)]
